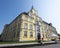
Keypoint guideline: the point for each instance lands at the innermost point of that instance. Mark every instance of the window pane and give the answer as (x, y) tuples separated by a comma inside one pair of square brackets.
[(18, 33), (25, 26), (31, 27), (43, 30), (31, 19), (31, 34), (26, 17), (14, 34), (25, 33)]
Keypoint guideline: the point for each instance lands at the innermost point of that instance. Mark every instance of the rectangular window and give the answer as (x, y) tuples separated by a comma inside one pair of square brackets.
[(35, 28), (31, 19), (31, 34), (26, 18), (14, 35), (19, 25), (31, 27), (18, 33), (25, 33), (43, 29), (25, 26)]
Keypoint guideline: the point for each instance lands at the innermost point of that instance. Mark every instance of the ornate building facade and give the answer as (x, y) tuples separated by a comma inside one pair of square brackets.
[(27, 27)]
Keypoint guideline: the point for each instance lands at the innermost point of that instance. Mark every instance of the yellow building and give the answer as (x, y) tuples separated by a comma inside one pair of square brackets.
[(27, 27)]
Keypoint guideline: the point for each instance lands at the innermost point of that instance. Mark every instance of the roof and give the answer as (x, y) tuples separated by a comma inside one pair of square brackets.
[(19, 15), (50, 24), (45, 22)]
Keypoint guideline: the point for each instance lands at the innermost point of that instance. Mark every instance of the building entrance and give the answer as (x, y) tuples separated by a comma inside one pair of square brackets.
[(39, 37)]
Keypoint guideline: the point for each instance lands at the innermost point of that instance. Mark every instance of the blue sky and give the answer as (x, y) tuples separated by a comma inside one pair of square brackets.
[(48, 10)]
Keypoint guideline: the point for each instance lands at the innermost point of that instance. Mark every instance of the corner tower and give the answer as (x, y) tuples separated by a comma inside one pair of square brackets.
[(33, 11)]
